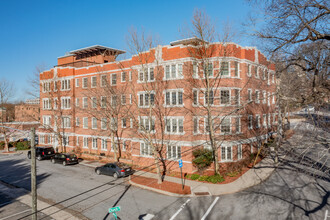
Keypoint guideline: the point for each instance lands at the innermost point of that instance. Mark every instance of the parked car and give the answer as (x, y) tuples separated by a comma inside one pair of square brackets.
[(114, 169), (43, 153), (65, 158)]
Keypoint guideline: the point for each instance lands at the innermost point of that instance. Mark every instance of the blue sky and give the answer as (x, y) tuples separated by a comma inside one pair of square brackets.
[(35, 33)]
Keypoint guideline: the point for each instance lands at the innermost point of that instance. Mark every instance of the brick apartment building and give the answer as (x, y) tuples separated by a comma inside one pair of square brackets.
[(92, 103)]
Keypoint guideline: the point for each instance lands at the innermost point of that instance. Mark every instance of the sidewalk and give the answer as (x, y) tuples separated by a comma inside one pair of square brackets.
[(250, 178)]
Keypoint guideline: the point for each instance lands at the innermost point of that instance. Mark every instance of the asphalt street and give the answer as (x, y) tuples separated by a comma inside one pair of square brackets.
[(298, 188)]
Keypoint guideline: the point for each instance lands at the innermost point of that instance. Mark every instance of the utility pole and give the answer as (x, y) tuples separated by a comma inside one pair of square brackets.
[(33, 175)]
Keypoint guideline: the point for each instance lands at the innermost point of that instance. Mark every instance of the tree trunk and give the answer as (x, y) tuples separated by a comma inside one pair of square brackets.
[(114, 147), (159, 175), (6, 143)]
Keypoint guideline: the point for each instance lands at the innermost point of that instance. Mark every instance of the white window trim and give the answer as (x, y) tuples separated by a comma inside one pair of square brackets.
[(94, 126), (226, 154), (93, 77), (169, 157), (149, 149), (177, 75), (250, 118), (77, 82), (85, 118), (85, 142), (144, 93)]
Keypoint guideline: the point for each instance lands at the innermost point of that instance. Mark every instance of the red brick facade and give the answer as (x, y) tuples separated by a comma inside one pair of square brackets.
[(173, 83)]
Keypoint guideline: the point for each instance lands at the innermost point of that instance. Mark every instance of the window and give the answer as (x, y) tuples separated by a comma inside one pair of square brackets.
[(103, 80), (94, 123), (65, 84), (66, 122), (77, 140), (147, 123), (46, 104), (268, 99), (55, 103), (123, 122), (268, 78), (93, 81), (65, 102), (196, 122), (224, 69), (239, 152), (269, 125), (173, 71), (77, 82), (257, 96), (274, 118), (103, 123), (238, 125), (104, 144), (264, 94), (236, 97), (77, 122), (273, 78), (46, 120), (46, 87), (195, 97), (257, 121), (114, 146), (123, 99), (94, 102), (130, 76), (209, 98), (145, 149), (249, 95), (42, 139), (103, 101), (125, 145), (123, 77), (85, 122), (85, 82), (256, 72), (174, 97), (55, 86), (208, 70), (173, 152), (236, 69), (250, 126), (131, 122), (249, 70), (114, 101), (195, 70), (225, 125), (147, 75), (85, 103), (85, 144), (146, 99), (224, 97), (77, 102), (264, 120), (94, 143), (114, 124), (273, 98), (114, 79), (264, 74), (226, 153), (174, 125), (65, 140)]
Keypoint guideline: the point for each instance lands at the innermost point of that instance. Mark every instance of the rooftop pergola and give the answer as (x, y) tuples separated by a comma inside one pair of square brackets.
[(97, 49)]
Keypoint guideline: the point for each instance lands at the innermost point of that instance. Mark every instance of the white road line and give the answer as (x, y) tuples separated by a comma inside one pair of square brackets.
[(210, 208), (183, 205), (15, 214)]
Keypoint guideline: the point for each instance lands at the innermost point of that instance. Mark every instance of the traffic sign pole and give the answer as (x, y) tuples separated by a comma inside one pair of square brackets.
[(180, 165)]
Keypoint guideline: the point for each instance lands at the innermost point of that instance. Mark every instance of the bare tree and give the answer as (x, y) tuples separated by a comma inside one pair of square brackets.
[(290, 22), (6, 93)]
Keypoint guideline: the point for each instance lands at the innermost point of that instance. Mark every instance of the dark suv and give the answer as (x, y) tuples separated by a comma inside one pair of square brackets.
[(43, 153), (65, 158)]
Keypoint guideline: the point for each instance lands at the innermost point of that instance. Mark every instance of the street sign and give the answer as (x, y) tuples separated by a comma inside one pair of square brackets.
[(114, 209), (180, 163)]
